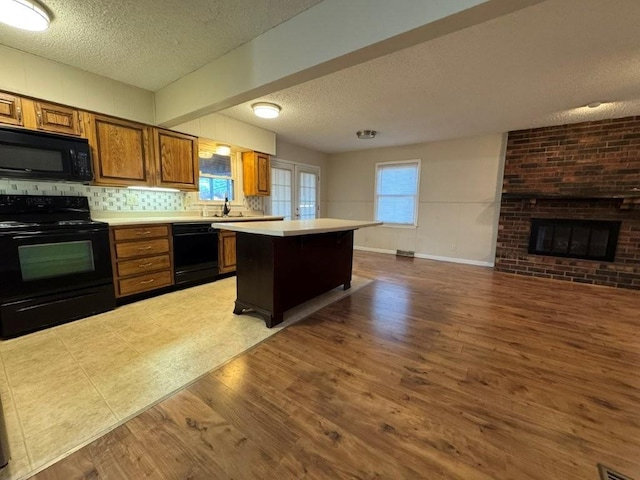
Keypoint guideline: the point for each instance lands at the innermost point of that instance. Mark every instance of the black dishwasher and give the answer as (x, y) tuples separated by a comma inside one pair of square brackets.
[(195, 253)]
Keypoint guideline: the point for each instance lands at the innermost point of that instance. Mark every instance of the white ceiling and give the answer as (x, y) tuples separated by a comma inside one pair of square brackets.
[(530, 68), (527, 69), (149, 43)]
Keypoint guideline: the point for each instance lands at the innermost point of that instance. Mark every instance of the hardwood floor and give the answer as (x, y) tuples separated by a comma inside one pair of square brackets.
[(433, 371)]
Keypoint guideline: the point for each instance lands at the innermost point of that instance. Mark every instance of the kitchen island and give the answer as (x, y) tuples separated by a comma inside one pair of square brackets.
[(281, 264)]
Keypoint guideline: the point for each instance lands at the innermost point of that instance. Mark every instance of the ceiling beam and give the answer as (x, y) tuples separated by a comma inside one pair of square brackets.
[(326, 38)]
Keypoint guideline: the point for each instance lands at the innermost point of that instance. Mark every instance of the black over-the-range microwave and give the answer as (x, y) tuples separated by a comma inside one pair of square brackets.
[(27, 154)]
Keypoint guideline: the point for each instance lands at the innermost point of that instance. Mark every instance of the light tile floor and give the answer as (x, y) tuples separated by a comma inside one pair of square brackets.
[(65, 386)]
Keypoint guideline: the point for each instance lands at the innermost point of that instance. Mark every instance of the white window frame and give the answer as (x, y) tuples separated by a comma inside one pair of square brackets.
[(414, 224), (236, 175)]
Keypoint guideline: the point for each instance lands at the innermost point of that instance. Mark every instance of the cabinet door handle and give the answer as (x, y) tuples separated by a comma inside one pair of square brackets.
[(39, 118), (80, 128), (145, 232), (144, 265), (19, 115), (146, 282), (146, 247)]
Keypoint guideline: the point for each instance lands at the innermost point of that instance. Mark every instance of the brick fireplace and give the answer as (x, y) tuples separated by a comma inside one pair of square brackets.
[(573, 174)]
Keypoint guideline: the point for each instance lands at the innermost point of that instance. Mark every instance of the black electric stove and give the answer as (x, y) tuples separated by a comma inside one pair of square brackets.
[(55, 263)]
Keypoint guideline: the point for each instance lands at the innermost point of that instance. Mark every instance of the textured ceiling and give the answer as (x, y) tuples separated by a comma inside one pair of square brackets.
[(530, 68), (527, 69), (149, 43)]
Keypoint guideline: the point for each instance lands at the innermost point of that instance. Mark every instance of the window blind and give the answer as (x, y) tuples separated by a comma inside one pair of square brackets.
[(397, 192)]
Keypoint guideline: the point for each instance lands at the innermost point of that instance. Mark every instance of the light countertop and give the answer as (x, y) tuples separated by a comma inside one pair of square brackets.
[(290, 228), (116, 221)]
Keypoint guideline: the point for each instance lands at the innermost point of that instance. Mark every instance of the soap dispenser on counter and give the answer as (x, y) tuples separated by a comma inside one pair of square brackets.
[(225, 208)]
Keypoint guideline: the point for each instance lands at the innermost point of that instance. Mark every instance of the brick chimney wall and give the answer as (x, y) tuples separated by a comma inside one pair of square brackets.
[(590, 168)]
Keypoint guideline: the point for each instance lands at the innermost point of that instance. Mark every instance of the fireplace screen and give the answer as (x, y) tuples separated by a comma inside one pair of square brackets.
[(588, 239)]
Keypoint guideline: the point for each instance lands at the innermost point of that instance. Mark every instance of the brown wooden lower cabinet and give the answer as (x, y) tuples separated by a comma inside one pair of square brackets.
[(143, 283), (226, 251), (142, 258)]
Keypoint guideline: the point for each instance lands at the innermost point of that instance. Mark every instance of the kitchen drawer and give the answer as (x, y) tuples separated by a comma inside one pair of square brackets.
[(138, 233), (143, 265), (143, 283), (138, 249)]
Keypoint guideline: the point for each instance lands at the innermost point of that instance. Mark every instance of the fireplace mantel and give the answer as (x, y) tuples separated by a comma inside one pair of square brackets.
[(626, 200)]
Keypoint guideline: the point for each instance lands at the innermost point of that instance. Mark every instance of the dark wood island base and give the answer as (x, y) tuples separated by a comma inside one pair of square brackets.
[(275, 273)]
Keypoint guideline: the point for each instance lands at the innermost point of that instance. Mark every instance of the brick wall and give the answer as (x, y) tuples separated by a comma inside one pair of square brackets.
[(576, 162), (587, 158)]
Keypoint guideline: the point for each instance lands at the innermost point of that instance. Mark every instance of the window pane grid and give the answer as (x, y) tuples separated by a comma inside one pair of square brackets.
[(307, 207), (281, 192)]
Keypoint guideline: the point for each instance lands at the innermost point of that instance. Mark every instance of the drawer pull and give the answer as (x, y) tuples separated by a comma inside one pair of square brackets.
[(145, 282), (145, 232), (146, 247), (144, 265)]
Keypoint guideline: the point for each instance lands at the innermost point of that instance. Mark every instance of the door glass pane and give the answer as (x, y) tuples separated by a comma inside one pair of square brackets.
[(281, 201), (307, 195), (49, 260)]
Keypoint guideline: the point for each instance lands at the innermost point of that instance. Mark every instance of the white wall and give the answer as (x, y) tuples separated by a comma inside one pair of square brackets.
[(228, 130), (460, 184), (37, 77)]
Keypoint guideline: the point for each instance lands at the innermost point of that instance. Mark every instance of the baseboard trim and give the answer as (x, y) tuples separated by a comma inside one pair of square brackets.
[(438, 258)]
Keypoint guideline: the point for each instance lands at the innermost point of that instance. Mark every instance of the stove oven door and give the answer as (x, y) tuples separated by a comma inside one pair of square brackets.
[(38, 263)]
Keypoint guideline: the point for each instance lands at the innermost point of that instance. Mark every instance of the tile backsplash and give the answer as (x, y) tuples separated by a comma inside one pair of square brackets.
[(100, 198), (119, 199)]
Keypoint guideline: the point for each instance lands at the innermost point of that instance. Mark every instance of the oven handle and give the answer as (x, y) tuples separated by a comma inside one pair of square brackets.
[(32, 234)]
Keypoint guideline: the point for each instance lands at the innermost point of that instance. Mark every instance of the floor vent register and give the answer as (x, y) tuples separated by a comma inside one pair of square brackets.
[(607, 474)]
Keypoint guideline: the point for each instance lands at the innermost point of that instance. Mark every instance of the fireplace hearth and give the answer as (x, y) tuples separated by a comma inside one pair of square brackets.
[(584, 239)]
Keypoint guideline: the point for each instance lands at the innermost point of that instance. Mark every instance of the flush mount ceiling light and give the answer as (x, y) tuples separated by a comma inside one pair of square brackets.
[(223, 150), (594, 104), (266, 110), (366, 134), (24, 14)]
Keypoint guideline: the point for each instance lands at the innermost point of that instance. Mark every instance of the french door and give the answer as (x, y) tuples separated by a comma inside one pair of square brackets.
[(295, 190)]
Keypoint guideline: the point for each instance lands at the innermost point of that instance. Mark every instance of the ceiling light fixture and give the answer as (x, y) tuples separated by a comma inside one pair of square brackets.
[(223, 150), (266, 110), (24, 14), (594, 104), (366, 134)]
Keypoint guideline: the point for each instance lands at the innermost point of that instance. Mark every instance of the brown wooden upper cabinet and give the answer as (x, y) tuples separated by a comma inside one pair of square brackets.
[(124, 153), (256, 172), (50, 117), (37, 115), (10, 109), (121, 151), (176, 159)]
